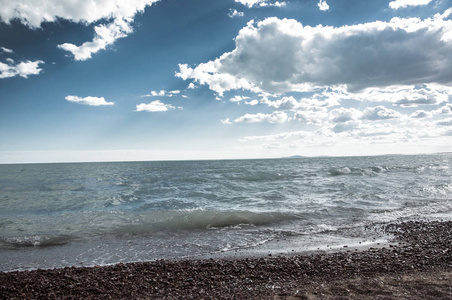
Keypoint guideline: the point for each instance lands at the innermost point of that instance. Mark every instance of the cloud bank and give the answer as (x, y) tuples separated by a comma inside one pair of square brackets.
[(282, 55)]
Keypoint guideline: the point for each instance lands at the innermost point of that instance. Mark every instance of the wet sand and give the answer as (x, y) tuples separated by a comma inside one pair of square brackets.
[(418, 266)]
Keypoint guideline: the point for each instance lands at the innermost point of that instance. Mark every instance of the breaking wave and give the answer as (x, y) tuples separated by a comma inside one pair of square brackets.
[(34, 241), (355, 171)]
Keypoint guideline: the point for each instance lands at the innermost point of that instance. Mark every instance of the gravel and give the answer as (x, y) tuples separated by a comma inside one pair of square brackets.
[(417, 266)]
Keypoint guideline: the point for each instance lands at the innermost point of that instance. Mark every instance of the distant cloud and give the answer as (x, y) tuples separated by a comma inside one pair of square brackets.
[(275, 117), (405, 3), (260, 3), (22, 69), (115, 18), (252, 102), (445, 122), (379, 113), (92, 101), (6, 50), (445, 110), (156, 106), (238, 98), (323, 6), (226, 121), (343, 115), (162, 93), (405, 51), (235, 13), (420, 114)]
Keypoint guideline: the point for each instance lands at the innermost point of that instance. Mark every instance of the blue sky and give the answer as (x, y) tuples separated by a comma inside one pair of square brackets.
[(101, 80)]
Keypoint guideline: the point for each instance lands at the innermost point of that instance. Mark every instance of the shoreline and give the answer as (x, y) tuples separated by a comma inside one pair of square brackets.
[(418, 265)]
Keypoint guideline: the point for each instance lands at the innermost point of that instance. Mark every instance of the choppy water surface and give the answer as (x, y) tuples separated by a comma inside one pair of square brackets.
[(55, 215)]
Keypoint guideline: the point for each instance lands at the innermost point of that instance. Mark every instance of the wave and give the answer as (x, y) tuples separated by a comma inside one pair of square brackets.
[(355, 171), (202, 219), (14, 242)]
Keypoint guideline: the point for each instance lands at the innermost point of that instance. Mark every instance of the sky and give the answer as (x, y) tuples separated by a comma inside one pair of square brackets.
[(111, 80)]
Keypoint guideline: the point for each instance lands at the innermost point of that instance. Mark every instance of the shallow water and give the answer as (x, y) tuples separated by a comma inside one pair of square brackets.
[(55, 215)]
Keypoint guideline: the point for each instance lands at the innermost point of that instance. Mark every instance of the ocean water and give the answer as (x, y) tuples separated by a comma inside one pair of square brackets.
[(85, 214)]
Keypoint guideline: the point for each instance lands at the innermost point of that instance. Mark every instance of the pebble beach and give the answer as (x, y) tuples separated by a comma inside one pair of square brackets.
[(416, 265)]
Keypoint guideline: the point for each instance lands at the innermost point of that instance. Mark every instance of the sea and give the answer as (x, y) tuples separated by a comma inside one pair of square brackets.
[(88, 214)]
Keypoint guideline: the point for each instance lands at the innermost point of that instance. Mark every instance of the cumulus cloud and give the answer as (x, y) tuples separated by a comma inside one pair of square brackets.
[(445, 122), (285, 103), (278, 56), (409, 95), (105, 35), (235, 13), (84, 11), (156, 106), (226, 121), (22, 69), (444, 110), (275, 117), (162, 93), (92, 101), (379, 113), (420, 114), (315, 117), (252, 102), (238, 98), (116, 17), (405, 3), (260, 3), (346, 126), (290, 103), (323, 6), (342, 115)]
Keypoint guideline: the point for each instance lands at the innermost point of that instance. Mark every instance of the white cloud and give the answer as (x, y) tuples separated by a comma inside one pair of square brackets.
[(238, 98), (116, 17), (260, 3), (342, 115), (92, 101), (314, 117), (285, 103), (410, 95), (445, 110), (156, 106), (323, 6), (235, 13), (252, 102), (405, 3), (275, 117), (290, 103), (226, 121), (445, 122), (32, 13), (278, 56), (420, 114), (22, 69), (379, 113), (6, 50), (162, 93), (105, 35)]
